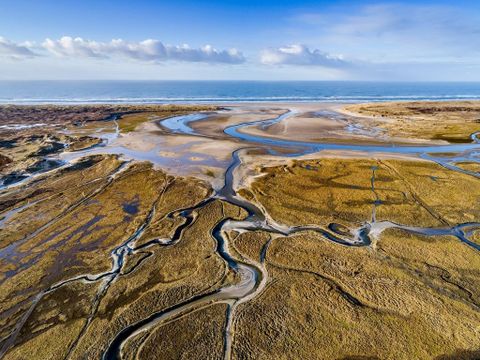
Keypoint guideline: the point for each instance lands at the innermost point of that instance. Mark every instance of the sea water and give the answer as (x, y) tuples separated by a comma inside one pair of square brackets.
[(71, 92)]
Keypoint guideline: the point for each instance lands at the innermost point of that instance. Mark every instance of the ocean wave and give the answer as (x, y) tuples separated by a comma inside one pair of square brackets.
[(235, 99)]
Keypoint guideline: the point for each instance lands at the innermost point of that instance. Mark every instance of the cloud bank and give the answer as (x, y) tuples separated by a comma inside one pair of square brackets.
[(147, 50), (300, 55), (14, 50)]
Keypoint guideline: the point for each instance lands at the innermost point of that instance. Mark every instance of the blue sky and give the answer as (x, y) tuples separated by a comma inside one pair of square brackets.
[(265, 40)]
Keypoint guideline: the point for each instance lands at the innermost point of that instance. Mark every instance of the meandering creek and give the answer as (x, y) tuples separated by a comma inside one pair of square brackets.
[(252, 275)]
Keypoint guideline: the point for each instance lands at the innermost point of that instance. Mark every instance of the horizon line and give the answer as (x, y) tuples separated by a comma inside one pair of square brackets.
[(237, 80)]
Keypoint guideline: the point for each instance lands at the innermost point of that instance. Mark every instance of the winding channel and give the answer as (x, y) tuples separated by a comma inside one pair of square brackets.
[(253, 275)]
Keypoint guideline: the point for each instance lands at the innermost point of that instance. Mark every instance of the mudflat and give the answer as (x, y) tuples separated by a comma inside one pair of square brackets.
[(252, 231)]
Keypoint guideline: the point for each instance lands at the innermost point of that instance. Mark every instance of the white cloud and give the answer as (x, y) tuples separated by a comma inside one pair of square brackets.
[(300, 55), (147, 50), (16, 51)]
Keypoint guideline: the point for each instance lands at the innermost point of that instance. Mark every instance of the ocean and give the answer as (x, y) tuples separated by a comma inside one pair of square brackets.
[(139, 92)]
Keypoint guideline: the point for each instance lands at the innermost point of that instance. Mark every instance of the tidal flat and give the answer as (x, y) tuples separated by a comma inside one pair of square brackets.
[(251, 231)]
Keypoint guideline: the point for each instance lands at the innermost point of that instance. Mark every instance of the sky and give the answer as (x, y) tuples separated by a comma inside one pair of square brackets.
[(240, 40)]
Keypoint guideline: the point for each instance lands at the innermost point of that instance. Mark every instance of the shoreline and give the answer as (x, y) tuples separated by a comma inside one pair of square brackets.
[(229, 102)]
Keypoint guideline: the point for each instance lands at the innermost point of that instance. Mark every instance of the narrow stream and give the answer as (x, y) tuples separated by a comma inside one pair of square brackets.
[(253, 275)]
